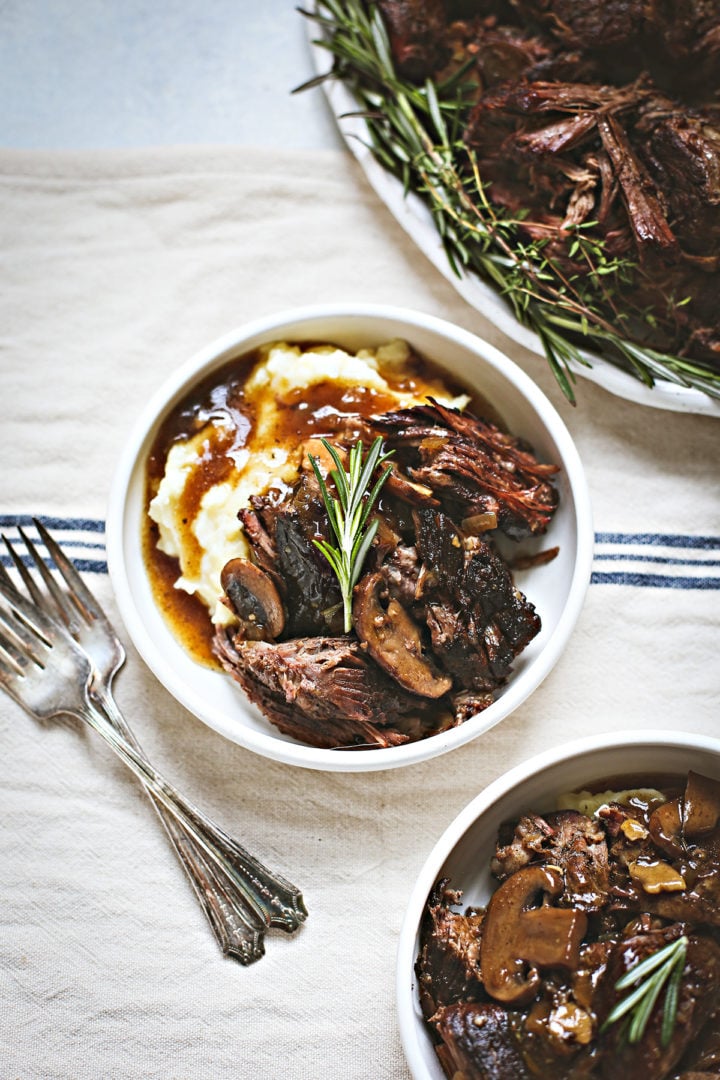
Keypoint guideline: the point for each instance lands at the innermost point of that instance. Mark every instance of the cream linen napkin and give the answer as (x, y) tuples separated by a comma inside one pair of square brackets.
[(117, 267)]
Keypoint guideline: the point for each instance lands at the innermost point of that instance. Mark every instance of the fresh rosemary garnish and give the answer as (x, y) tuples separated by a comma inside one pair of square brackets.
[(416, 133), (349, 512), (664, 966)]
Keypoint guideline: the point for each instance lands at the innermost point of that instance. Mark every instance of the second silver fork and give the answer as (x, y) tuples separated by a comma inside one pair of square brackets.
[(236, 925)]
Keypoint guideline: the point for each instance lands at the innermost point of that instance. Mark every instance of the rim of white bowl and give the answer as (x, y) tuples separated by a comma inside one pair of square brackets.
[(294, 753), (405, 994)]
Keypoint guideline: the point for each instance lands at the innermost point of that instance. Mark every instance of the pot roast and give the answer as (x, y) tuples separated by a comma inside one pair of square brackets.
[(437, 620)]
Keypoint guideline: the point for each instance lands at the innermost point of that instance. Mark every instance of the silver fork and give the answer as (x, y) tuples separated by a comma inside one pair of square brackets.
[(239, 895), (237, 928)]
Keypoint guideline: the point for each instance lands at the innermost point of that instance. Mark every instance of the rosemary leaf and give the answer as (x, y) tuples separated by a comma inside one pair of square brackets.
[(671, 1002), (655, 960), (647, 1004)]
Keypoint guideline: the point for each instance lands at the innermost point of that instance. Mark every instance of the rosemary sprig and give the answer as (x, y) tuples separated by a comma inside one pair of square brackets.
[(349, 512), (664, 966), (416, 133)]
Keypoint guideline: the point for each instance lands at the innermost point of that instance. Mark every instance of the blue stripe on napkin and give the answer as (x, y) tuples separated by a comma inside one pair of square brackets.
[(638, 559), (79, 537), (656, 560), (656, 581), (707, 543)]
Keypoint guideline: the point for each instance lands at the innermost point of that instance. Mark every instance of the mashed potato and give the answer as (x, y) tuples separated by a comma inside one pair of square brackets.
[(214, 535)]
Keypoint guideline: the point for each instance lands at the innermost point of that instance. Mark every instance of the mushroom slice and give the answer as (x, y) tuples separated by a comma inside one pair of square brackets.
[(665, 825), (393, 640), (254, 599), (701, 805), (518, 933)]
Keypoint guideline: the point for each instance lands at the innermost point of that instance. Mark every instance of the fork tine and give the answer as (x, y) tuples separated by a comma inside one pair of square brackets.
[(8, 672), (27, 578), (75, 583), (5, 578), (16, 648), (66, 609), (17, 637), (38, 621)]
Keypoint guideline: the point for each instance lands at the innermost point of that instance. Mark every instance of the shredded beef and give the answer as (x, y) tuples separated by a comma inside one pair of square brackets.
[(602, 114), (321, 691), (471, 464), (570, 840)]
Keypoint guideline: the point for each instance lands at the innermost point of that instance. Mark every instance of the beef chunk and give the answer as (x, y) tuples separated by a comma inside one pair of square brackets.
[(683, 151), (467, 703), (322, 691), (281, 535), (478, 620), (480, 1042), (448, 965), (526, 843), (401, 571), (703, 1059), (417, 35), (579, 847)]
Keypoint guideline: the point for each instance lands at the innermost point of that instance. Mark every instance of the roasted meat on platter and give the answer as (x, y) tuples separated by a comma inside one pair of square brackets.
[(602, 116)]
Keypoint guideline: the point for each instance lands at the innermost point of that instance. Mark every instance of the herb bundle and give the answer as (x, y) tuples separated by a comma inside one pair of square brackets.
[(349, 512), (416, 133)]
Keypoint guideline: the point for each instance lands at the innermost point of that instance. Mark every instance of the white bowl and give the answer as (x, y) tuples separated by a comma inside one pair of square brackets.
[(464, 850), (557, 589)]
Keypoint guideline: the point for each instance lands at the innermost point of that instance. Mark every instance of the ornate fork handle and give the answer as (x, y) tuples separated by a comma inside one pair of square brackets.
[(272, 899), (237, 927)]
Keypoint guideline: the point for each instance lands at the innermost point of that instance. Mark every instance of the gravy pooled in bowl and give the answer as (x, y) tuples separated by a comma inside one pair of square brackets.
[(239, 483)]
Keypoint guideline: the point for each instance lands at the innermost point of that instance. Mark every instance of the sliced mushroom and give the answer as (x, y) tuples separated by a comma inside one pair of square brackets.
[(393, 640), (518, 933), (633, 830), (665, 825), (255, 600), (701, 805)]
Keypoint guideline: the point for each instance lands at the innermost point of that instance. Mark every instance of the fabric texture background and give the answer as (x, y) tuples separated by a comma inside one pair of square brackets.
[(117, 266)]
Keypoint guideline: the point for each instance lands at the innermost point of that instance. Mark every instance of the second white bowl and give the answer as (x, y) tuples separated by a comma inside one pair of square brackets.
[(463, 852)]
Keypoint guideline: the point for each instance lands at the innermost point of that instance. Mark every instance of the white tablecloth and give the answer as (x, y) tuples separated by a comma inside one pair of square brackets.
[(117, 266)]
